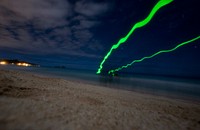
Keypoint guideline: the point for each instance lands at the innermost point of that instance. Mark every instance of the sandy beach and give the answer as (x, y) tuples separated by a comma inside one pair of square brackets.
[(33, 102)]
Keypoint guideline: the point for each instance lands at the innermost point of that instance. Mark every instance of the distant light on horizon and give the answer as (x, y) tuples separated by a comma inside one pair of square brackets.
[(3, 63), (23, 64)]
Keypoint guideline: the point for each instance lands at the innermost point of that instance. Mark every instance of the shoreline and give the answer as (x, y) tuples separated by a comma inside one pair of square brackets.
[(31, 101), (163, 94)]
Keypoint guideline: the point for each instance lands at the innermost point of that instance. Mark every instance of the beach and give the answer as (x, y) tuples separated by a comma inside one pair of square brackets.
[(31, 101)]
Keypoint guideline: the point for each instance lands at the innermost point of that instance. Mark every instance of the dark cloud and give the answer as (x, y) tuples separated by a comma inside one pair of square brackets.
[(85, 24), (45, 13), (89, 8), (50, 26)]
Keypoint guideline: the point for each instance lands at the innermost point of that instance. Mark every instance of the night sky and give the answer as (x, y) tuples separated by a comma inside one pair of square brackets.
[(79, 33)]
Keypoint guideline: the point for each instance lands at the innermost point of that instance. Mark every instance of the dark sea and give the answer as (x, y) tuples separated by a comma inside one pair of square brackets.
[(173, 87)]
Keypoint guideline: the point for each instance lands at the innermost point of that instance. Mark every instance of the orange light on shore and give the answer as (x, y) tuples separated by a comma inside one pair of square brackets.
[(23, 64), (3, 63)]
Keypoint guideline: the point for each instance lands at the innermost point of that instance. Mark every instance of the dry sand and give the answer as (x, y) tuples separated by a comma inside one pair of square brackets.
[(34, 102)]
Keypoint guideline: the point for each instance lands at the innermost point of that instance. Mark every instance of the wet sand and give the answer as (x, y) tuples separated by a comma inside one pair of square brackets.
[(30, 101)]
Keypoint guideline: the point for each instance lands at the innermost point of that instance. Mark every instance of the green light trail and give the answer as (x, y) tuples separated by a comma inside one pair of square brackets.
[(140, 24), (155, 54)]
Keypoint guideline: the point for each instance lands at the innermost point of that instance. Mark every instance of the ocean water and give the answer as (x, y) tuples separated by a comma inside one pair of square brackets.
[(175, 87)]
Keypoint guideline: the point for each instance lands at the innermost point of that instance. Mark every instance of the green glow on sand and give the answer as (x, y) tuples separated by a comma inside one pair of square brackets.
[(140, 24), (155, 54)]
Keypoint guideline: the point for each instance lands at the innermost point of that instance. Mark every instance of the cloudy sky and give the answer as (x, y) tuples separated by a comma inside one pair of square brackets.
[(78, 33)]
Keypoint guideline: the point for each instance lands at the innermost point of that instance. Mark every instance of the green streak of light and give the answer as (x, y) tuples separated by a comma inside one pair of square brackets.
[(155, 54), (140, 24)]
